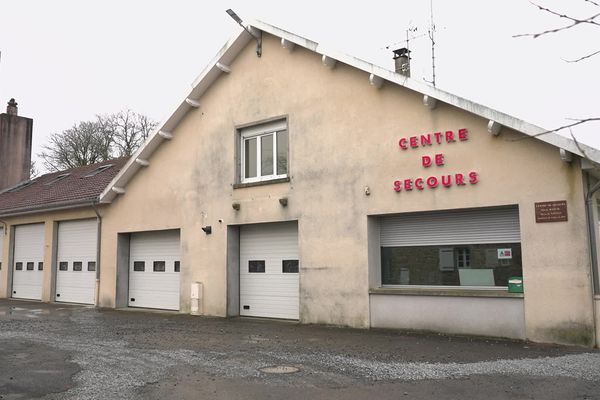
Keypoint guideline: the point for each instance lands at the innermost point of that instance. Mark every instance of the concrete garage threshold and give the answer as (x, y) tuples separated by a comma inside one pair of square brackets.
[(54, 351)]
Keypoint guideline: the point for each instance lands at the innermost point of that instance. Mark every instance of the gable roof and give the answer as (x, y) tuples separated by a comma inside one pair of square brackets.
[(63, 189), (234, 46)]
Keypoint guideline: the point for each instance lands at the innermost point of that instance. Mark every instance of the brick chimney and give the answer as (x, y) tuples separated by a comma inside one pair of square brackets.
[(15, 146), (402, 61)]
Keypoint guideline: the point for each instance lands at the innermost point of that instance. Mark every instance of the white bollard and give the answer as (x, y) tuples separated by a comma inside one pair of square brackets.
[(196, 303)]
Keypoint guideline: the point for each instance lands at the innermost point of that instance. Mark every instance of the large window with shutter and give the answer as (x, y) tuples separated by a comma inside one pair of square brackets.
[(466, 248)]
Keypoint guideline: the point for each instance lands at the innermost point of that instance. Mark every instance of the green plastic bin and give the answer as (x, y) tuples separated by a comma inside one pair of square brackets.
[(515, 284)]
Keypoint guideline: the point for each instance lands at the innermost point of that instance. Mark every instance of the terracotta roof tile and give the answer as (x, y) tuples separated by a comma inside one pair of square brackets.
[(71, 186)]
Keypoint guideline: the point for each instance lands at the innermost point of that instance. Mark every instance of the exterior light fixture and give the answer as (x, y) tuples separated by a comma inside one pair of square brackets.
[(256, 36), (283, 201), (236, 206), (207, 229)]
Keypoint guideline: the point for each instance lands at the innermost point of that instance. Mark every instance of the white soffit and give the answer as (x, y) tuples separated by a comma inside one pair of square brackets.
[(234, 46)]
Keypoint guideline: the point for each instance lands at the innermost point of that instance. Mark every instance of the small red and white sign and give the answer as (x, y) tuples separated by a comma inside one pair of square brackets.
[(504, 254)]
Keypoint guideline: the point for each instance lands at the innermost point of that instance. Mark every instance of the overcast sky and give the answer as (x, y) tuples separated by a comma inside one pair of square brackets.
[(65, 61)]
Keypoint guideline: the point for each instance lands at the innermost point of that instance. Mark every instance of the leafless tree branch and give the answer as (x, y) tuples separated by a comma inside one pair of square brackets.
[(577, 145), (574, 21), (560, 128), (582, 58)]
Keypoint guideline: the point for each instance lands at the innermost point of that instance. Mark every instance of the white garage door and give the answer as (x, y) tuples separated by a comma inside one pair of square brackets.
[(28, 268), (269, 282), (76, 261), (154, 270)]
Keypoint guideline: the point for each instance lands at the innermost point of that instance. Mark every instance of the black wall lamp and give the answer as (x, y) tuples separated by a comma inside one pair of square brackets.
[(207, 229)]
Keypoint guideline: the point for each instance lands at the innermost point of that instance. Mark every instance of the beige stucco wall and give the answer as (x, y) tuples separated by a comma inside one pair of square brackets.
[(343, 137), (49, 219)]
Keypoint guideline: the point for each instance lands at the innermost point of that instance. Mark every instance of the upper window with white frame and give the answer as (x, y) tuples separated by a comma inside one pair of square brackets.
[(264, 152)]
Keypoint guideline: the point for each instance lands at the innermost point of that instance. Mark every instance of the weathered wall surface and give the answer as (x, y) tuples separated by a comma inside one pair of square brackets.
[(15, 149), (343, 137), (49, 220)]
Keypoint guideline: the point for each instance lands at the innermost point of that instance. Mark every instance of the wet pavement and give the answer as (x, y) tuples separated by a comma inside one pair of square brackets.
[(56, 351)]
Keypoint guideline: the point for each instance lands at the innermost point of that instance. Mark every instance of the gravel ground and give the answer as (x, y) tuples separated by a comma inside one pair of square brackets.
[(66, 352)]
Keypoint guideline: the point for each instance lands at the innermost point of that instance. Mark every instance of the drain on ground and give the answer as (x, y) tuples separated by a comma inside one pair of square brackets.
[(279, 369)]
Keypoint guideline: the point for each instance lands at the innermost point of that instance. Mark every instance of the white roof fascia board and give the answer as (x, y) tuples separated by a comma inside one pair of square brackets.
[(235, 45), (440, 95), (211, 73)]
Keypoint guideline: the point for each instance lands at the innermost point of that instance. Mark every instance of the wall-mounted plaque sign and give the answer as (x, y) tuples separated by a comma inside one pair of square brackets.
[(551, 211)]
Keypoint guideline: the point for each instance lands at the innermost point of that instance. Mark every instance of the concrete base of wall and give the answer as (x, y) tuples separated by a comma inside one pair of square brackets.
[(500, 317)]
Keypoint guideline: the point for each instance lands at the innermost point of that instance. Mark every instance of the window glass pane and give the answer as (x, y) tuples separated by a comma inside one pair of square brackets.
[(256, 266), (19, 266), (63, 266), (289, 266), (282, 153), (177, 266), (266, 155), (159, 266), (40, 266), (77, 266), (250, 158), (91, 265), (463, 265), (139, 266), (29, 266)]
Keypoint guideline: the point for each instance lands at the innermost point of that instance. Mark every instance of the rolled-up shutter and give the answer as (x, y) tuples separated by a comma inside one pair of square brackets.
[(472, 226)]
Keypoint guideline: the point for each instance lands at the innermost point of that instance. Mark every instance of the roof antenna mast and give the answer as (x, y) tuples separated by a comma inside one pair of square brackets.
[(431, 37)]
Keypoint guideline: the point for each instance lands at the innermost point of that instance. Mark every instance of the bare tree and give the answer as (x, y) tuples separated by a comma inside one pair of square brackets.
[(89, 142), (593, 19), (83, 144), (128, 130)]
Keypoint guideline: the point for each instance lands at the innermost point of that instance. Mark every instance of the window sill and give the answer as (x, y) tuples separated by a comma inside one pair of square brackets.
[(450, 292), (261, 183)]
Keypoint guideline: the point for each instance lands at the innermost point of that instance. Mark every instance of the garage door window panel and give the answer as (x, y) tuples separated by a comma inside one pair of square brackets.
[(159, 266), (139, 266), (256, 266), (77, 266), (289, 266), (30, 266), (40, 266), (19, 266), (91, 266), (176, 266), (63, 266)]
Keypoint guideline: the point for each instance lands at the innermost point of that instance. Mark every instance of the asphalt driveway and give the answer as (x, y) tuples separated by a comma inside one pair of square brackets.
[(55, 351)]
